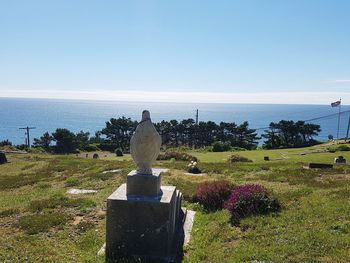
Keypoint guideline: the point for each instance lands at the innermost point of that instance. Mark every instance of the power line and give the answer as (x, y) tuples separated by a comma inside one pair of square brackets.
[(315, 119)]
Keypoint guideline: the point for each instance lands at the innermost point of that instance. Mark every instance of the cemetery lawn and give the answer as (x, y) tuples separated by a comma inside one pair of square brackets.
[(40, 222)]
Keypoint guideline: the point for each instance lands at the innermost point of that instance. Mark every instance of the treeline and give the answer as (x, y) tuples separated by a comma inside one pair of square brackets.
[(290, 134), (117, 134), (224, 136)]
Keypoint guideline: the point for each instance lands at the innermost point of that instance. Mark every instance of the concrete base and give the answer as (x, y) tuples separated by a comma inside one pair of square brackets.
[(144, 227)]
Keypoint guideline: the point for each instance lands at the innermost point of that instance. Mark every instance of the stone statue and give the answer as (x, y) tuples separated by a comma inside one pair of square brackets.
[(145, 144)]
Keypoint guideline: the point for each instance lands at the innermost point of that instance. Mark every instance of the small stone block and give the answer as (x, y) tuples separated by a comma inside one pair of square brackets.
[(143, 184)]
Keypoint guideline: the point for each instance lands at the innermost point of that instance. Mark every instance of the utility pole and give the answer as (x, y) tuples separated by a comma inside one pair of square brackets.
[(197, 116), (27, 133), (339, 119), (347, 131)]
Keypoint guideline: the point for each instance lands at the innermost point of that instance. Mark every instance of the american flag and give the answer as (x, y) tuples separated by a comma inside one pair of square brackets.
[(336, 103)]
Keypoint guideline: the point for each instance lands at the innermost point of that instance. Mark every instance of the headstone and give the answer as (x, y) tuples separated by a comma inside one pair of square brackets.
[(74, 191), (118, 152), (340, 159), (144, 219), (320, 165), (3, 158), (95, 156)]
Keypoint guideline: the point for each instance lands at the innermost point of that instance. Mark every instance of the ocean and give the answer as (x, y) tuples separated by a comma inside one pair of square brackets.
[(49, 114)]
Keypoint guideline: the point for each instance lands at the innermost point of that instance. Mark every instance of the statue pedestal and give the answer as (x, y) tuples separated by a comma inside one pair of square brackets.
[(146, 227), (143, 184)]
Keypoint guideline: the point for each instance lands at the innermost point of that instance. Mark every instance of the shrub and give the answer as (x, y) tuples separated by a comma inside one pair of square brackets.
[(212, 194), (238, 149), (221, 147), (340, 148), (118, 152), (250, 199), (108, 146), (235, 158), (5, 143), (178, 156), (91, 148)]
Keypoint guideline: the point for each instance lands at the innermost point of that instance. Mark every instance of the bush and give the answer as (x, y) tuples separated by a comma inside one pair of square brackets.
[(91, 148), (5, 143), (212, 194), (250, 199), (238, 149), (108, 146), (340, 148), (235, 158), (177, 156), (221, 147), (118, 152)]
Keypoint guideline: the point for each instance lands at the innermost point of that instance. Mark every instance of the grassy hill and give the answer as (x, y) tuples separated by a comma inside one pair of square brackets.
[(39, 221)]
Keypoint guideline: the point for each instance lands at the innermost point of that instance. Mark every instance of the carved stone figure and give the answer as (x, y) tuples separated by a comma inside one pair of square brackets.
[(145, 144)]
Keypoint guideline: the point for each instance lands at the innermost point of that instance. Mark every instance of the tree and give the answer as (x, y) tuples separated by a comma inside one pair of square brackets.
[(119, 132), (5, 143), (82, 140), (44, 141), (65, 141), (290, 134)]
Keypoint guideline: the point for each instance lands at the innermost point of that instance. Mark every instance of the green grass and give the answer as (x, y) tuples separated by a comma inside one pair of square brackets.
[(37, 215), (33, 224)]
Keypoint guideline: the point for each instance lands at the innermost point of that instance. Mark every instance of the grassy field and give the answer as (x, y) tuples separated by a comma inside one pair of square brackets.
[(40, 222)]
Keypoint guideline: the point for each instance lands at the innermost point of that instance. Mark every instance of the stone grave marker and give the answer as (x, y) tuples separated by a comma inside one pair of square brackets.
[(144, 219), (3, 158)]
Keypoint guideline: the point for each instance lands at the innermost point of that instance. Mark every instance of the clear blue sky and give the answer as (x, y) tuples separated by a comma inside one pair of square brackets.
[(69, 48)]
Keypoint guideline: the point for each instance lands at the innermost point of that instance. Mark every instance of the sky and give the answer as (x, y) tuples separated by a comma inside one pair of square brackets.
[(263, 51)]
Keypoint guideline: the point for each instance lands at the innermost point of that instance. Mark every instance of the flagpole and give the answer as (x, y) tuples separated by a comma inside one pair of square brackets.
[(338, 120)]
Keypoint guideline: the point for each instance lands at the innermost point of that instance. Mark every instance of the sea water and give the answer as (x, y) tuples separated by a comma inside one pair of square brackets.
[(49, 114)]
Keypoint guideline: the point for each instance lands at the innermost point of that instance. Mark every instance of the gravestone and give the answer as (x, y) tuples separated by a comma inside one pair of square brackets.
[(340, 159), (144, 218), (320, 165), (3, 158)]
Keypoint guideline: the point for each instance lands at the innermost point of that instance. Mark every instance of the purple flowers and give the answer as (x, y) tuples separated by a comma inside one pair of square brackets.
[(212, 194), (240, 201), (249, 200)]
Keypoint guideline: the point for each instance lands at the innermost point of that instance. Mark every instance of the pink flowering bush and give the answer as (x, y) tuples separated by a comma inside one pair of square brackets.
[(250, 199), (212, 194)]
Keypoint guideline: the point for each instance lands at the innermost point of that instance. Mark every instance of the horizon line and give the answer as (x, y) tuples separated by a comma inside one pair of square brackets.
[(307, 98)]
